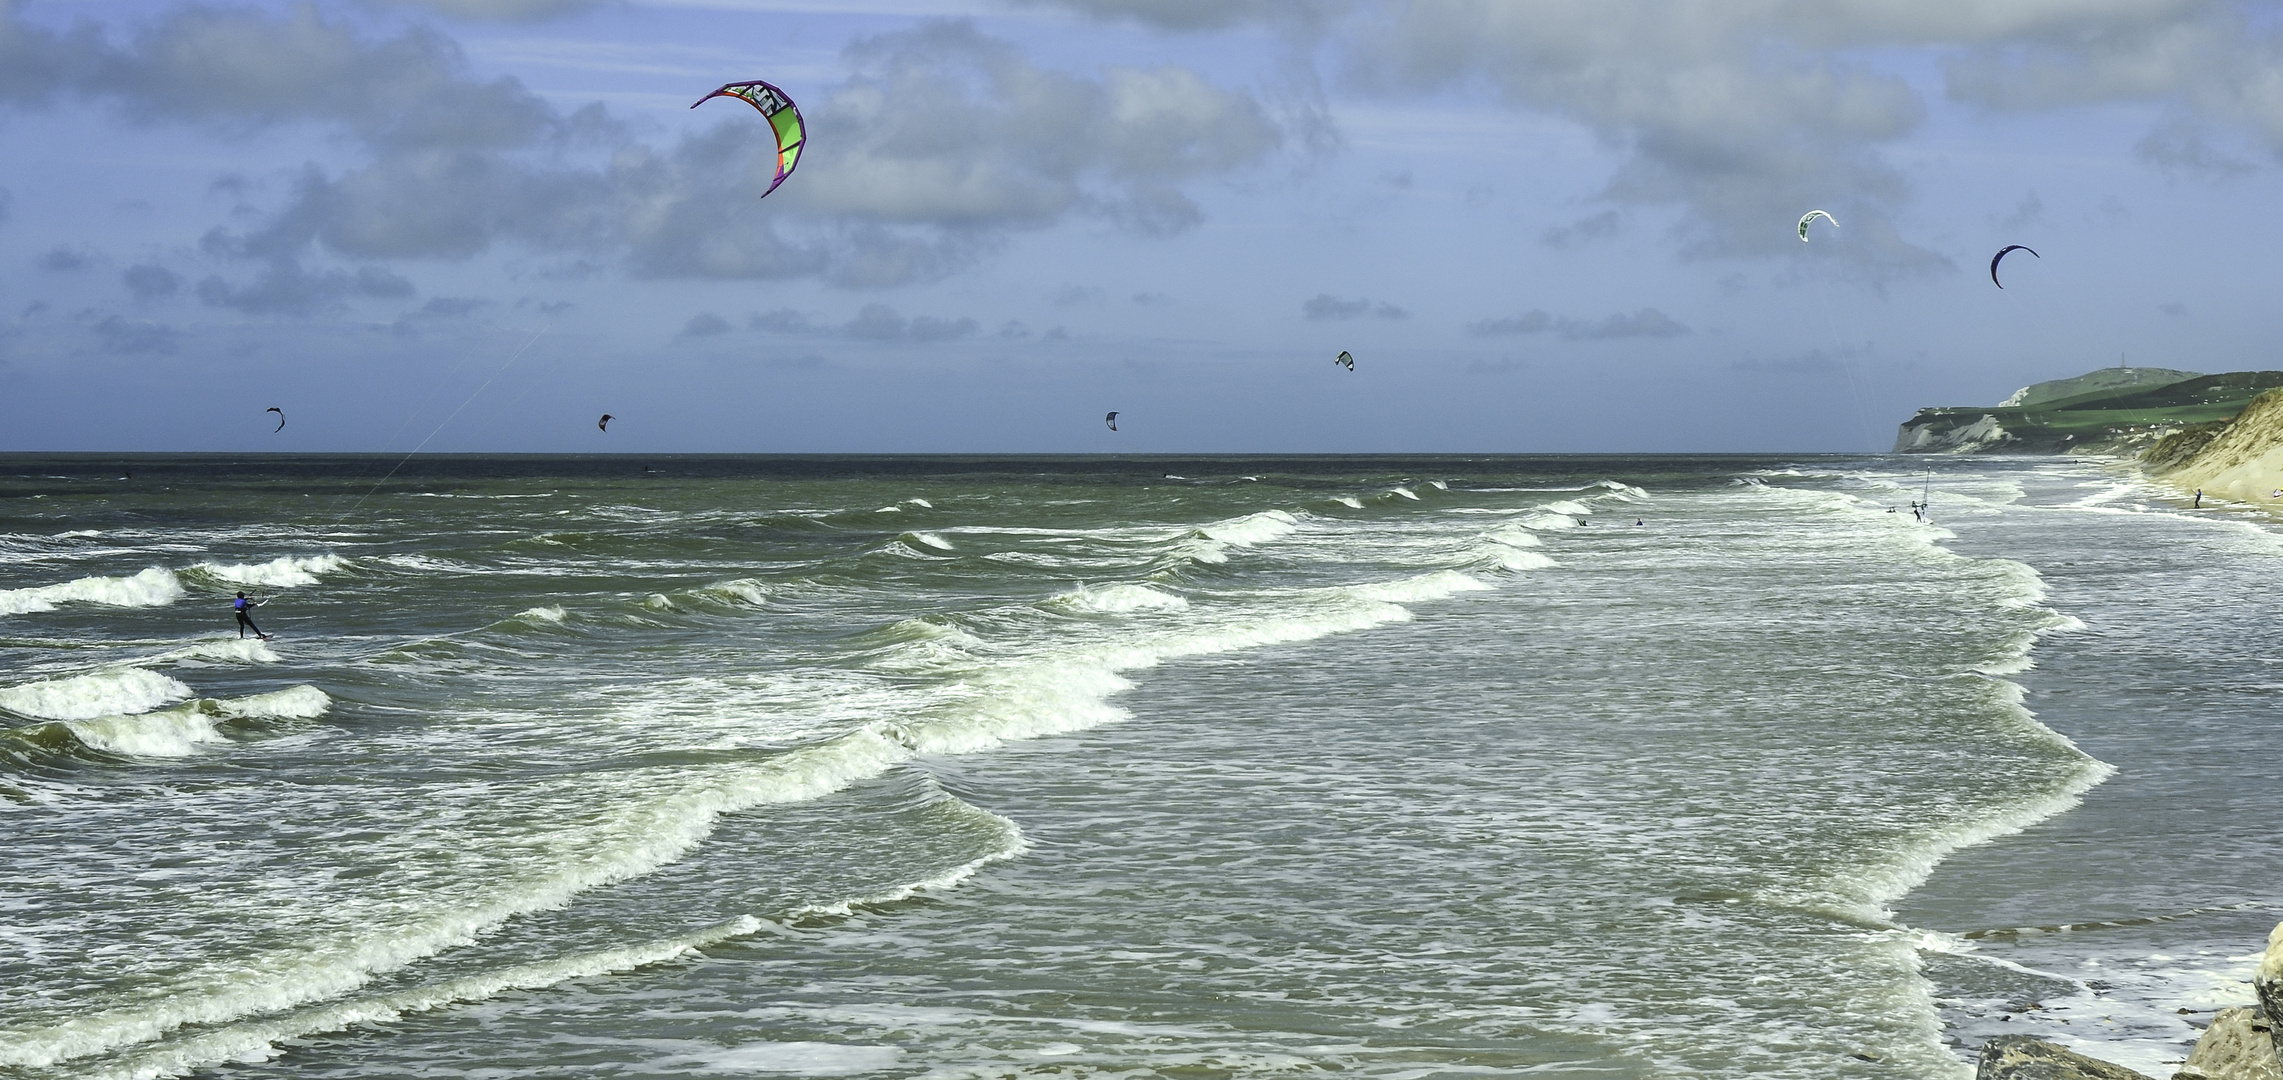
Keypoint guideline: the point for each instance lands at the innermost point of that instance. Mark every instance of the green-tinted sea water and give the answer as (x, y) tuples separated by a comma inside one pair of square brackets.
[(1083, 767)]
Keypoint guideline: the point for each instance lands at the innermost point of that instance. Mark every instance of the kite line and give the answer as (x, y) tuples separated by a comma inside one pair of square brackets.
[(517, 355)]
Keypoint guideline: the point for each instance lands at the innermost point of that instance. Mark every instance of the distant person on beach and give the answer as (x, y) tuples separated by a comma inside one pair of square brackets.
[(2199, 500), (245, 621)]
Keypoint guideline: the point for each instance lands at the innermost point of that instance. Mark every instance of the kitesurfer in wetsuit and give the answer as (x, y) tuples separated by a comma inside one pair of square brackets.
[(2199, 500), (245, 621)]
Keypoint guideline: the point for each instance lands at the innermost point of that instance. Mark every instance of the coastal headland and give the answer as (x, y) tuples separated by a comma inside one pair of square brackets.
[(2221, 435)]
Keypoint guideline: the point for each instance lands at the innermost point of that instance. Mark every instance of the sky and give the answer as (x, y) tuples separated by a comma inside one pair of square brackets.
[(1538, 225)]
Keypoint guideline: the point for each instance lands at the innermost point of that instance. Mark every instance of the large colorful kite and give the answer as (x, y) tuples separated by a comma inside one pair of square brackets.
[(784, 119)]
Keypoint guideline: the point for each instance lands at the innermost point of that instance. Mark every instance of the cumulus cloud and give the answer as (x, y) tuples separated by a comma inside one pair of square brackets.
[(704, 324), (1325, 306), (285, 287), (1204, 14), (946, 142), (879, 322), (1647, 322), (438, 310), (1743, 114), (1715, 117), (505, 10), (150, 282), (126, 337), (1599, 226), (782, 321)]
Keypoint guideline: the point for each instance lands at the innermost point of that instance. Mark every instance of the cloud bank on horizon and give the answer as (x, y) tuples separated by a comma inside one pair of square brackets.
[(363, 206)]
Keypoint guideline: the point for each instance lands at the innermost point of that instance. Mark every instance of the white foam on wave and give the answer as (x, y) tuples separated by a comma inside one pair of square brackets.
[(984, 702), (920, 503), (1865, 893), (889, 510), (789, 1058), (256, 1040), (1253, 529), (1119, 599), (1508, 558), (153, 587), (190, 728), (216, 651), (1567, 506), (85, 697), (303, 702), (1440, 585), (743, 590), (1514, 535), (167, 733), (280, 573), (1069, 690), (1349, 501), (1543, 522), (547, 613), (638, 839), (927, 538), (1404, 492), (1210, 542)]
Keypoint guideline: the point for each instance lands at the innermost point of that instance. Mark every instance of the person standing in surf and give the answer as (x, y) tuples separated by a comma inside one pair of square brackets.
[(246, 621)]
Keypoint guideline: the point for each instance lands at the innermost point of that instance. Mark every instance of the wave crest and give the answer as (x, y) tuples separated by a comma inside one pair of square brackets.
[(85, 697), (153, 587)]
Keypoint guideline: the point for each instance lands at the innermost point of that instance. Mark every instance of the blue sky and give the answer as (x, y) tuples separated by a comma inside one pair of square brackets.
[(476, 225)]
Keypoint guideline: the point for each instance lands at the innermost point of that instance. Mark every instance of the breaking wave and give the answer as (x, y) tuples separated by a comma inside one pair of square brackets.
[(280, 573), (85, 697), (153, 587)]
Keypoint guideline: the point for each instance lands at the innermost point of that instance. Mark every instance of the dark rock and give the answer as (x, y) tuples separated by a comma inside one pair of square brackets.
[(2020, 1057)]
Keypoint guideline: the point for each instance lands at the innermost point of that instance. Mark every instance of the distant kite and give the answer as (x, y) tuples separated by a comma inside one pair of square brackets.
[(604, 423), (2002, 254), (1811, 216), (280, 419), (784, 121), (1111, 420), (1344, 360)]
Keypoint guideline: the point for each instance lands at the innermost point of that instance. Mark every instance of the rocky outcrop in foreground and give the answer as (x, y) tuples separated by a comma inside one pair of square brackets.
[(2241, 1044)]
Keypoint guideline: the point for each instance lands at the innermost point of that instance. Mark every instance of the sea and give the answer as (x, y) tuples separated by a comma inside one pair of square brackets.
[(1119, 767)]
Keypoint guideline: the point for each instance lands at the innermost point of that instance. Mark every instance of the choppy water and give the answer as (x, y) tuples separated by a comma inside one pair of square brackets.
[(1411, 767)]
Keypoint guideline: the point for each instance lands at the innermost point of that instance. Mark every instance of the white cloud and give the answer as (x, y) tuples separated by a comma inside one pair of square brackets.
[(1325, 306), (1647, 322), (946, 142)]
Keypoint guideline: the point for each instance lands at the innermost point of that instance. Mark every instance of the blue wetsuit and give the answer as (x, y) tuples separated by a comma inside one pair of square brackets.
[(246, 622)]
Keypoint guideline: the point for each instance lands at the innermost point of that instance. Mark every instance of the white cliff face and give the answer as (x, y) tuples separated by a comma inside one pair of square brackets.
[(1981, 435)]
